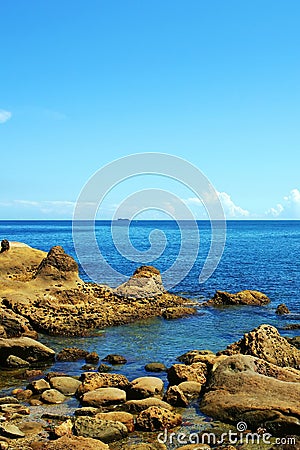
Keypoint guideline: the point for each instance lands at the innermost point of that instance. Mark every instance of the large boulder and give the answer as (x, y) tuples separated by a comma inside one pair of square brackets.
[(266, 343), (118, 416), (105, 430), (136, 406), (25, 348), (247, 297), (144, 387), (65, 385), (181, 372), (91, 381), (103, 396), (145, 282), (57, 266), (245, 388), (156, 418)]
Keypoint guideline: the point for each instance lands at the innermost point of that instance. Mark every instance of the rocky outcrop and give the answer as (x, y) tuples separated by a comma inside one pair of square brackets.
[(57, 266), (4, 246), (146, 282), (26, 348), (247, 297), (266, 343), (245, 388), (15, 325), (177, 312), (282, 309)]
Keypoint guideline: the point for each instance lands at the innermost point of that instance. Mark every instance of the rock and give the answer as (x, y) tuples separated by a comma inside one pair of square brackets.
[(65, 385), (92, 358), (193, 356), (15, 325), (144, 387), (295, 341), (194, 372), (33, 373), (53, 396), (4, 246), (104, 396), (247, 297), (64, 429), (176, 397), (91, 381), (136, 406), (156, 418), (105, 430), (8, 401), (118, 416), (71, 354), (266, 343), (191, 389), (145, 282), (24, 395), (87, 411), (35, 402), (57, 266), (282, 309), (103, 368), (11, 409), (70, 443), (25, 348), (115, 359), (39, 386), (177, 312), (292, 326), (245, 388), (155, 367), (11, 431)]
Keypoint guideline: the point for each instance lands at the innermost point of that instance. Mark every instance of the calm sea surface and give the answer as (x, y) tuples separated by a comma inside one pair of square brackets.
[(261, 255)]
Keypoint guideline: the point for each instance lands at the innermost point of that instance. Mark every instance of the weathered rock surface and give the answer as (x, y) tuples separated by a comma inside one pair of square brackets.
[(91, 381), (144, 387), (105, 430), (181, 372), (11, 431), (282, 309), (39, 386), (71, 443), (25, 348), (136, 406), (177, 312), (71, 354), (118, 416), (145, 282), (57, 265), (176, 397), (92, 358), (53, 396), (104, 396), (156, 418), (247, 297), (14, 325), (257, 392), (266, 343), (65, 385), (14, 362), (191, 389)]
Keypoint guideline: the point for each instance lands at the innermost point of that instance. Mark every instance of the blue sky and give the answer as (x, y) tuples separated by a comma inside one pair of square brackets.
[(85, 82)]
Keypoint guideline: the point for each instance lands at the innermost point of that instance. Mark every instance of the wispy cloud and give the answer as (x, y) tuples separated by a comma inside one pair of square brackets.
[(55, 207), (231, 210), (289, 208), (4, 115)]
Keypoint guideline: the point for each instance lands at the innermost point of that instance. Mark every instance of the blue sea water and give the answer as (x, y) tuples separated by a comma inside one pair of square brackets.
[(261, 255)]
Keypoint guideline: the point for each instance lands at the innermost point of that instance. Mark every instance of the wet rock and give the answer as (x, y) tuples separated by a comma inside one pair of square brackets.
[(250, 389), (39, 386), (177, 312), (33, 373), (4, 246), (35, 402), (53, 396), (181, 372), (24, 395), (156, 418), (144, 387), (282, 309), (11, 409), (247, 297), (194, 356), (65, 385), (103, 368), (25, 348), (118, 416), (11, 431), (104, 396), (71, 354), (92, 358), (115, 359), (136, 406), (87, 411), (64, 429), (8, 401), (295, 341), (105, 430), (155, 367), (191, 389), (266, 343), (70, 443), (91, 381), (176, 397), (57, 266)]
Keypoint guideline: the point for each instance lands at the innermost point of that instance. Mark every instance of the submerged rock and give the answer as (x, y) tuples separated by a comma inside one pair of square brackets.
[(155, 367), (266, 343), (71, 354), (247, 297), (115, 359), (245, 388), (282, 309)]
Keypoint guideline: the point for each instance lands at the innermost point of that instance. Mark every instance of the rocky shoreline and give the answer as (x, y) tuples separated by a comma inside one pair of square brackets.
[(255, 380)]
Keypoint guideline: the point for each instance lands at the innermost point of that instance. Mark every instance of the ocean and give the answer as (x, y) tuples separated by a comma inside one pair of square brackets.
[(260, 255)]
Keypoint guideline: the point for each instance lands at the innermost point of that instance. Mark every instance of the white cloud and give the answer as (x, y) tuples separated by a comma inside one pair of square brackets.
[(56, 207), (4, 115), (289, 208), (231, 210)]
